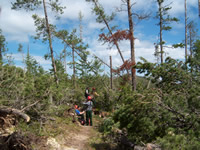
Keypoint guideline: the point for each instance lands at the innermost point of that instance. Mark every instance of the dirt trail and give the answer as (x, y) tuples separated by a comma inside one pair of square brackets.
[(79, 140)]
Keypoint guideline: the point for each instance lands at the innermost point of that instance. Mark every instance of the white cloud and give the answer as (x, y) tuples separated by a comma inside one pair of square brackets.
[(178, 7), (18, 58), (177, 53), (39, 59), (95, 25), (74, 8), (19, 25), (144, 4), (15, 24)]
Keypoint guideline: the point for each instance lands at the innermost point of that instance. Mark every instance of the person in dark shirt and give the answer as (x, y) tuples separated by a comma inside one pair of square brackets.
[(87, 92)]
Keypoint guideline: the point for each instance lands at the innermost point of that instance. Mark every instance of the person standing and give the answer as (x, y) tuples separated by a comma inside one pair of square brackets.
[(94, 94), (89, 104), (87, 92)]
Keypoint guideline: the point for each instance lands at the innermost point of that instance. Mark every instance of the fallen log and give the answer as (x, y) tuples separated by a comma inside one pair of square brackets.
[(19, 113)]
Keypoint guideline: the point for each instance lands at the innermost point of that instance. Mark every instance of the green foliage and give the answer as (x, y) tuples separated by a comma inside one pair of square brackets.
[(106, 126), (30, 5), (101, 17), (167, 113), (164, 20), (11, 81), (55, 6), (71, 40), (181, 45), (20, 48), (96, 67), (34, 128), (82, 66), (174, 141), (55, 118), (32, 66), (41, 28), (26, 4), (163, 16), (137, 115), (193, 61), (3, 48)]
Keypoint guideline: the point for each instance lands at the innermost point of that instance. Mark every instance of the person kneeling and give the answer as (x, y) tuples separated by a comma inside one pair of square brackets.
[(80, 114)]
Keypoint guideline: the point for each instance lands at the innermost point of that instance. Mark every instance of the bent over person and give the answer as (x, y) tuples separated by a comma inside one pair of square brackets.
[(79, 113), (89, 104)]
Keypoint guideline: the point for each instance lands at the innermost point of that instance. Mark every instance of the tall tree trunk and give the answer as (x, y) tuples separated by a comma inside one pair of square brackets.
[(190, 38), (80, 25), (74, 71), (111, 78), (185, 33), (199, 8), (132, 44), (50, 43), (65, 57), (1, 56), (161, 25)]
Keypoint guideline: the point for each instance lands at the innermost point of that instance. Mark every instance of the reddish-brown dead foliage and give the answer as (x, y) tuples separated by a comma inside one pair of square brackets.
[(127, 65), (116, 37)]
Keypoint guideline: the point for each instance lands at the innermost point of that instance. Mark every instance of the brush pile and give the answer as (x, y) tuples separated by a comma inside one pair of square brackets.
[(9, 138)]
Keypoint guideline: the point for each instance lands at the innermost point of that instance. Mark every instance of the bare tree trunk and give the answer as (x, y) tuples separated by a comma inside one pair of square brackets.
[(199, 8), (50, 43), (190, 38), (132, 44), (65, 61), (74, 70), (185, 33), (111, 78), (161, 24), (149, 82), (80, 25), (1, 57)]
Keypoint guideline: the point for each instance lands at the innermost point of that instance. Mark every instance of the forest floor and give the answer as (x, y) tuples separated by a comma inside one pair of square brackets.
[(75, 137), (59, 133)]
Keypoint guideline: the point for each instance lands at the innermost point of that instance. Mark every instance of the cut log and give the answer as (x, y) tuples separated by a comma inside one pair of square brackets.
[(16, 112)]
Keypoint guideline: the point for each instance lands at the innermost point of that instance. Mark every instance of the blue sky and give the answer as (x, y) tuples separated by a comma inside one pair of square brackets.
[(18, 27)]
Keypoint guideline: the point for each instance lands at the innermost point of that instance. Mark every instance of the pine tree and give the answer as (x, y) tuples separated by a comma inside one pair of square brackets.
[(164, 20), (194, 61), (106, 19), (3, 48), (192, 35), (76, 45), (43, 27)]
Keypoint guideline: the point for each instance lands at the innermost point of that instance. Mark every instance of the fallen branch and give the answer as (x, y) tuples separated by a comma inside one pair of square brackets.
[(29, 106), (15, 112)]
